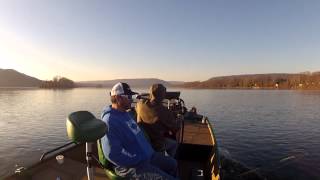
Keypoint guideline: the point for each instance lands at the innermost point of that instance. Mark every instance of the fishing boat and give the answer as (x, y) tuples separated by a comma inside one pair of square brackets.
[(197, 155)]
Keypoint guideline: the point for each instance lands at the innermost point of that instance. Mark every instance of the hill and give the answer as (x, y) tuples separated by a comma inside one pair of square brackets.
[(135, 83), (257, 81), (13, 78)]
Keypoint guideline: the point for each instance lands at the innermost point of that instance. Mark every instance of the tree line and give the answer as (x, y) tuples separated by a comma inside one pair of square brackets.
[(260, 81), (58, 83)]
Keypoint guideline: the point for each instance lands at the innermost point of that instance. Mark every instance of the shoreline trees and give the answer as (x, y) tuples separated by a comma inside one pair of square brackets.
[(58, 83), (260, 81)]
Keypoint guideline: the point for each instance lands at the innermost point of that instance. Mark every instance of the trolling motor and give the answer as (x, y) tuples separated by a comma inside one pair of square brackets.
[(83, 127)]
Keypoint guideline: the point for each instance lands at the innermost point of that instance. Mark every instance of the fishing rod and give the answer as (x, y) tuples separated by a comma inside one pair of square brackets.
[(275, 165)]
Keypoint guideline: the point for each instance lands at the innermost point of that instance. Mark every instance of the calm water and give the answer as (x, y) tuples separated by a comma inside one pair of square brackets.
[(258, 128)]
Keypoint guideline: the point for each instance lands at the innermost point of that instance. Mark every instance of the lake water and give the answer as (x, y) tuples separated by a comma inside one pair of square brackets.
[(259, 128)]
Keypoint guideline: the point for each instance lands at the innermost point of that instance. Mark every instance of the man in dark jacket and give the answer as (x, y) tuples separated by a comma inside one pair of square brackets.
[(157, 120)]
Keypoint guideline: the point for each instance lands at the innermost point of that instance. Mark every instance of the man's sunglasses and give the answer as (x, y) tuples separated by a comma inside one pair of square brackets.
[(127, 96)]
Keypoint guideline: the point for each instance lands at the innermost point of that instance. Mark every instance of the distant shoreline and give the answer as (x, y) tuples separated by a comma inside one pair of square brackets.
[(243, 88), (10, 78), (174, 87), (18, 87)]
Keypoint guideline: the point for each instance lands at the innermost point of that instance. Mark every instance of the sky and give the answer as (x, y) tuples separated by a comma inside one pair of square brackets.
[(178, 40)]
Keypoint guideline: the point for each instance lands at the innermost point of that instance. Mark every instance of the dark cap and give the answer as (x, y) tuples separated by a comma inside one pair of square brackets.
[(157, 92)]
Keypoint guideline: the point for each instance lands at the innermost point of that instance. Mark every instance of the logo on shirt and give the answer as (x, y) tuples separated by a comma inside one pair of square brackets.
[(133, 126)]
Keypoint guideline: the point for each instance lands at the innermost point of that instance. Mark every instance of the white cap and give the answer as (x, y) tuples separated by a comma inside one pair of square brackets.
[(121, 89)]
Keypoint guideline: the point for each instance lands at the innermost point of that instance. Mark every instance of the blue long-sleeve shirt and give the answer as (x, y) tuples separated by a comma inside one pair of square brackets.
[(124, 143)]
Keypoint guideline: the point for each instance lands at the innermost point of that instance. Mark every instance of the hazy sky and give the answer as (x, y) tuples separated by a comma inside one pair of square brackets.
[(172, 40)]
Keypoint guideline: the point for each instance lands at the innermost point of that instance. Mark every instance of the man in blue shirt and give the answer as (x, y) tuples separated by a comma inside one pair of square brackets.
[(125, 144)]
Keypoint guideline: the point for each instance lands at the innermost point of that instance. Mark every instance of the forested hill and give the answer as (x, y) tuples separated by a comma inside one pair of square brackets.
[(12, 78), (260, 81)]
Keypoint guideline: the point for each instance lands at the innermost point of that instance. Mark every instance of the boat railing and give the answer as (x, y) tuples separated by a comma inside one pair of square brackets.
[(55, 149)]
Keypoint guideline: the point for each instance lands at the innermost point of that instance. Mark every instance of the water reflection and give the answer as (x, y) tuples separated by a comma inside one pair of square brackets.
[(254, 126)]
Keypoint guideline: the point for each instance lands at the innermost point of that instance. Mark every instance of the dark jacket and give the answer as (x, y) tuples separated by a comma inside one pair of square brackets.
[(155, 118)]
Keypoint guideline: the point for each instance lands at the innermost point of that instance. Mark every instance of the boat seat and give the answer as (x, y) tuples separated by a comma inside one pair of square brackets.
[(108, 166), (82, 126)]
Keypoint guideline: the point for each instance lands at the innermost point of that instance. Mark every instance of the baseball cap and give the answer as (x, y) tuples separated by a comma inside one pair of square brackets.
[(157, 92), (121, 89)]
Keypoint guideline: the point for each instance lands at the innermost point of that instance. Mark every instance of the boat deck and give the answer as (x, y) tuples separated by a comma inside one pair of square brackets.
[(197, 133), (74, 166)]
